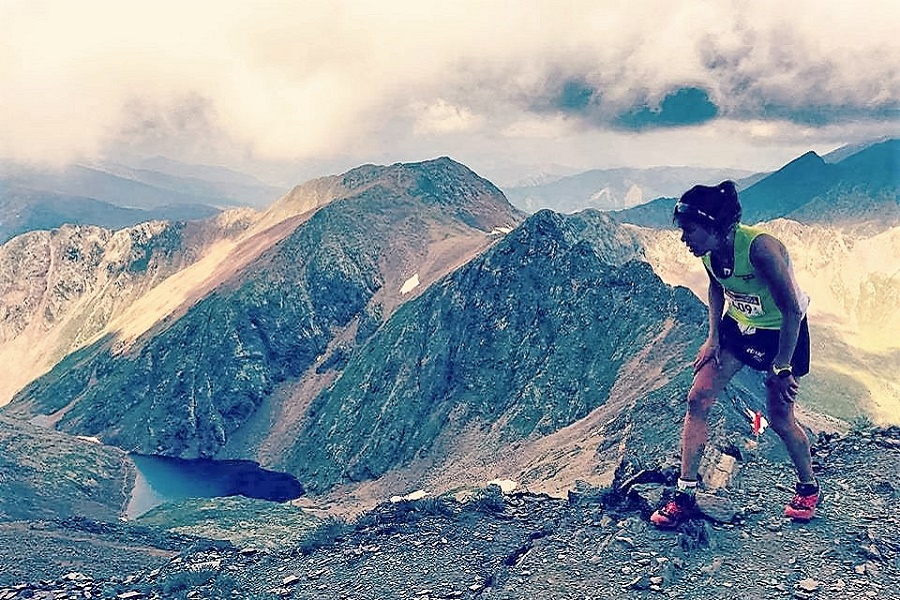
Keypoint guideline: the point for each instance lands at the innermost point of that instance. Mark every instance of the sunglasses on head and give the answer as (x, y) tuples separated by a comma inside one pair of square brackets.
[(686, 210)]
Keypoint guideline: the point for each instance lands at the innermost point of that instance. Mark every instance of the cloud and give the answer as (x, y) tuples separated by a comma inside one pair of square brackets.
[(442, 117), (686, 106), (295, 81)]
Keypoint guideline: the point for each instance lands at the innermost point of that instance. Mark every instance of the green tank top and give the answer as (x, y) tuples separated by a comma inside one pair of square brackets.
[(750, 302)]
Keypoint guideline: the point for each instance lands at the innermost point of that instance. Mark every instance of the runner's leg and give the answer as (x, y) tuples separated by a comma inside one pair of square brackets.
[(708, 383), (784, 423)]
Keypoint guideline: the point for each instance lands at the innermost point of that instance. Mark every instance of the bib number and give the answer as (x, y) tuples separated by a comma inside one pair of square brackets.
[(749, 305)]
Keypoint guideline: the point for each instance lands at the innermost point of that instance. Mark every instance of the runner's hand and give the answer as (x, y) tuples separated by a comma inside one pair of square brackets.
[(709, 351), (786, 387)]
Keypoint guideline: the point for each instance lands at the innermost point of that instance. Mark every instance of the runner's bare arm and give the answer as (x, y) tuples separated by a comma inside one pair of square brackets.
[(772, 262), (710, 348), (715, 294)]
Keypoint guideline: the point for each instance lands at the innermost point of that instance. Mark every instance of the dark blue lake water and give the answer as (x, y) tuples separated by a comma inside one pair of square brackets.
[(162, 479)]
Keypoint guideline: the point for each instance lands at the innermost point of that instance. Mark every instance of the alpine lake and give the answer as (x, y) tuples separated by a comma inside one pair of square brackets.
[(161, 479)]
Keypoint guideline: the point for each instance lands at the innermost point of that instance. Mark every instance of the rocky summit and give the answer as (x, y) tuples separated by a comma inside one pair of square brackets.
[(594, 544)]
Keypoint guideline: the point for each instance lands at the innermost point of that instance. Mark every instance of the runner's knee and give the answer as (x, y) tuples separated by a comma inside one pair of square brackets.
[(700, 400), (780, 420), (781, 416)]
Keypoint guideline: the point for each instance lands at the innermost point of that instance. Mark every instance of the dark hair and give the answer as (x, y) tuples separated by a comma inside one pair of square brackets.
[(717, 206)]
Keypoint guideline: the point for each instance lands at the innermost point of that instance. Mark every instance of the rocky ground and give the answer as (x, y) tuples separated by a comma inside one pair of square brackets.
[(596, 544)]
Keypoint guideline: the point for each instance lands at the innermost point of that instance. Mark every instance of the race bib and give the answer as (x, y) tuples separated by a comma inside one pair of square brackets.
[(748, 304)]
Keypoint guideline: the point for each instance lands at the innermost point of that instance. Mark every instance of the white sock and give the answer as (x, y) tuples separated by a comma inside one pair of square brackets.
[(687, 486)]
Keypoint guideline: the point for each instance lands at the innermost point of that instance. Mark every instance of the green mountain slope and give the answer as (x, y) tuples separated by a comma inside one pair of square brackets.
[(528, 338), (788, 188)]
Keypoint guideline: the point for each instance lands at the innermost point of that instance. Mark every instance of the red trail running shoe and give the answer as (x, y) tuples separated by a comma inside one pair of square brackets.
[(803, 506), (675, 512)]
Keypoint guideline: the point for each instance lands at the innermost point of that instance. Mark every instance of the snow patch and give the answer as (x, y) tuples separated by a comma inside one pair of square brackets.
[(500, 230), (411, 284), (417, 495), (506, 485), (89, 438)]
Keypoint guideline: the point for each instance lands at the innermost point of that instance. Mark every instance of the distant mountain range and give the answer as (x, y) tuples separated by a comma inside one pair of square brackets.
[(860, 189), (406, 324), (614, 189), (115, 196)]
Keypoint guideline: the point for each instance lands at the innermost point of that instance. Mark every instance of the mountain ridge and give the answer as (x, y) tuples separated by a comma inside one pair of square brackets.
[(251, 316), (467, 368), (612, 189), (61, 288), (861, 191)]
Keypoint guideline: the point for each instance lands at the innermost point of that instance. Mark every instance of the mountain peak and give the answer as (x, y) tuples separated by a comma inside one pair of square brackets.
[(332, 254), (440, 182), (789, 188), (442, 179), (805, 160)]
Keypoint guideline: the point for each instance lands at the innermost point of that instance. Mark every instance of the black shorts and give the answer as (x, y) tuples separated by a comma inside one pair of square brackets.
[(758, 349)]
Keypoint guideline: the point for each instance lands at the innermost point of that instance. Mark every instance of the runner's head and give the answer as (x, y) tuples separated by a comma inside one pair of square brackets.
[(714, 207)]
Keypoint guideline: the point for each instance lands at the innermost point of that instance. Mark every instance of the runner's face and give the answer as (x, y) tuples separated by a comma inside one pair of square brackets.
[(699, 239)]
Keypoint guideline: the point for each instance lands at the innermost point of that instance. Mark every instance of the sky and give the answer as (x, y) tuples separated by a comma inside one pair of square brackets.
[(510, 88)]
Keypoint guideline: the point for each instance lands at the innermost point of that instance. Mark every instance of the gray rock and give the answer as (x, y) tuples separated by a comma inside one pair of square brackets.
[(649, 495), (717, 508), (639, 583), (584, 494)]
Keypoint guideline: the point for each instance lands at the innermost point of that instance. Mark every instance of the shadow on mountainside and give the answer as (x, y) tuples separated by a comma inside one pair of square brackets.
[(594, 544)]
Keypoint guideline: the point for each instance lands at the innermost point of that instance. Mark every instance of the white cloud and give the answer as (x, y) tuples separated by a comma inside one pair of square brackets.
[(442, 117), (298, 81), (543, 127)]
